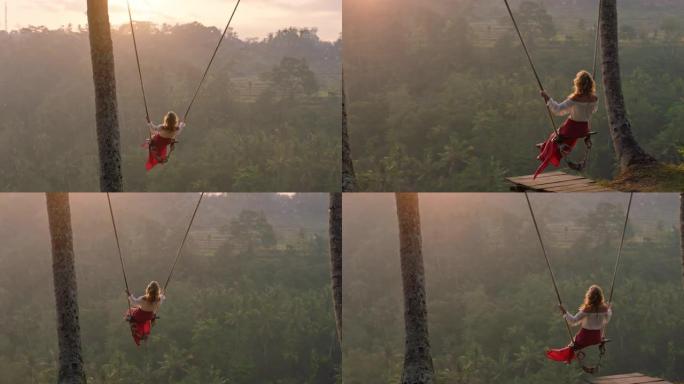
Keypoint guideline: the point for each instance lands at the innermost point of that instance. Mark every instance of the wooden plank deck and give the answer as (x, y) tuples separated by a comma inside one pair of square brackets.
[(555, 182), (629, 378)]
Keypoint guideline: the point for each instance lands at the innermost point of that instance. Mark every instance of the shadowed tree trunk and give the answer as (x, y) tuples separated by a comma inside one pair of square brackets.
[(335, 228), (71, 369), (102, 56), (418, 368), (628, 151), (348, 174), (681, 231)]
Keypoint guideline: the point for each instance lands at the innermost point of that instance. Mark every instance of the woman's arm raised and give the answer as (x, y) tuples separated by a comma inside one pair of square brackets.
[(154, 128), (576, 319), (559, 109)]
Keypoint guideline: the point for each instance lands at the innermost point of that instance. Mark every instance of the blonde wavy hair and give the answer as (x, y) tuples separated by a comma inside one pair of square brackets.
[(584, 84), (171, 122), (594, 300), (153, 292)]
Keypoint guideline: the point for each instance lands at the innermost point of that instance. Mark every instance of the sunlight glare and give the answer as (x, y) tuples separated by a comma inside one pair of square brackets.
[(254, 18), (143, 10)]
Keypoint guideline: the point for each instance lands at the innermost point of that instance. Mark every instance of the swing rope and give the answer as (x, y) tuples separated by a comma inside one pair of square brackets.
[(622, 243), (118, 247), (213, 56), (178, 254), (548, 263), (185, 237), (596, 43), (587, 155), (204, 75), (588, 369), (137, 59), (534, 69), (583, 164), (602, 350)]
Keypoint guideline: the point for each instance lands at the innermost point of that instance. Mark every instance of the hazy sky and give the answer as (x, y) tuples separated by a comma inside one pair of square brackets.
[(255, 18)]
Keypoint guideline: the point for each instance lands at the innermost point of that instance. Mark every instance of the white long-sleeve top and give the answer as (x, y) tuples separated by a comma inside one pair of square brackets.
[(166, 133), (145, 305), (578, 111), (590, 320)]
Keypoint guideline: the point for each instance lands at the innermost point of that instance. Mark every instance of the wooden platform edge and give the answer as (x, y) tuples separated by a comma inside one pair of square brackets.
[(626, 378), (556, 181)]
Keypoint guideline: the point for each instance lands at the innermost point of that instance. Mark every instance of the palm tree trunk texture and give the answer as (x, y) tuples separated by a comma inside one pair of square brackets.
[(627, 149), (71, 370), (348, 174), (681, 231), (335, 227), (418, 368), (102, 56)]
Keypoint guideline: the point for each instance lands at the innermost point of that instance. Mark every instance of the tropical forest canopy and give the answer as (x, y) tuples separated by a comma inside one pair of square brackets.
[(441, 96), (267, 118), (249, 301), (491, 306)]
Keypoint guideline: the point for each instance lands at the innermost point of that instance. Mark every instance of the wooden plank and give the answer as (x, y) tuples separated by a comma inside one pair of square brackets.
[(556, 181), (576, 183), (543, 175), (571, 188), (632, 380), (629, 378), (634, 374), (592, 187), (547, 180), (565, 188), (550, 180)]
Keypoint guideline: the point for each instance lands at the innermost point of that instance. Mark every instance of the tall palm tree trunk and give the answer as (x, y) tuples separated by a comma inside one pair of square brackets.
[(348, 174), (102, 56), (681, 231), (627, 149), (71, 369), (335, 228), (418, 368)]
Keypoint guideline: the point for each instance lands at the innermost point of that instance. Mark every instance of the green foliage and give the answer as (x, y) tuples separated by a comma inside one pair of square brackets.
[(292, 78), (534, 20), (234, 314), (267, 118), (442, 98), (491, 306)]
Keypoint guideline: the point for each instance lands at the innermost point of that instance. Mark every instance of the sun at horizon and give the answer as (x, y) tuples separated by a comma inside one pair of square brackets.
[(254, 19)]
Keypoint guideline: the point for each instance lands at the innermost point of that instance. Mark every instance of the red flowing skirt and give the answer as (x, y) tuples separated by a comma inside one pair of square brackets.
[(552, 150), (141, 324), (158, 149), (584, 338)]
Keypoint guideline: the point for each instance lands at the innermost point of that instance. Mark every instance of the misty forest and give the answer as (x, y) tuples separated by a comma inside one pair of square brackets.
[(266, 119), (490, 303), (249, 302), (440, 94)]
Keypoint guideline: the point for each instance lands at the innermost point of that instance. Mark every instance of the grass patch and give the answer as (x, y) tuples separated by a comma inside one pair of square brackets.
[(658, 178)]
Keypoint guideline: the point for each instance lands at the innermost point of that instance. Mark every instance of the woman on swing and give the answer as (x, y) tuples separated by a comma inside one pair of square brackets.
[(593, 316), (580, 105), (163, 139), (143, 311)]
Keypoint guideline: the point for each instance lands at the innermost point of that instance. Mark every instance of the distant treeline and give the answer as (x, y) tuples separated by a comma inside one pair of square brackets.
[(492, 310), (441, 96), (266, 119), (249, 301)]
